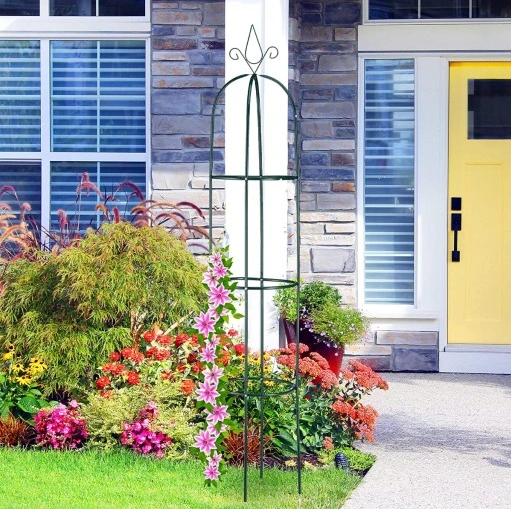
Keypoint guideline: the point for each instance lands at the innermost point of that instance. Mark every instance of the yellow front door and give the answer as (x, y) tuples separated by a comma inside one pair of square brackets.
[(479, 284)]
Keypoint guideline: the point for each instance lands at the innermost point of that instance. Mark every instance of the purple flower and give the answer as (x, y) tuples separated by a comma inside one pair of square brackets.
[(218, 295), (207, 392), (211, 473), (219, 271), (208, 354), (218, 414), (205, 323), (213, 375), (215, 259), (205, 442), (215, 459), (214, 341), (209, 279)]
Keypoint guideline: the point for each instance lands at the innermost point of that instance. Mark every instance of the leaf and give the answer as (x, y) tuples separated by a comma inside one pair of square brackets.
[(29, 405)]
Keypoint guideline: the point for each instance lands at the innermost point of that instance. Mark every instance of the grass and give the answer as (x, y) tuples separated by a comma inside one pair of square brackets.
[(93, 480)]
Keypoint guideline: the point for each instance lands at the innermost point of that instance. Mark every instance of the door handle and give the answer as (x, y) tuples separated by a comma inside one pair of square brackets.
[(455, 227)]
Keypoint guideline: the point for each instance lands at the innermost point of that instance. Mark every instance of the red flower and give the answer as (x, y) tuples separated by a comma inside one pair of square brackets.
[(115, 356), (137, 357), (239, 349), (192, 357), (133, 378), (328, 379), (181, 339), (149, 336), (187, 386), (232, 333), (102, 382), (165, 340), (181, 368), (224, 358), (196, 368)]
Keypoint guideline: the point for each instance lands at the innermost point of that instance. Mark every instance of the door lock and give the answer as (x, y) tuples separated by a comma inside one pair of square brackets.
[(456, 226)]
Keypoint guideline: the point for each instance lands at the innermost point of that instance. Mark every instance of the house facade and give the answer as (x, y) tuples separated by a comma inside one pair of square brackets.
[(405, 127)]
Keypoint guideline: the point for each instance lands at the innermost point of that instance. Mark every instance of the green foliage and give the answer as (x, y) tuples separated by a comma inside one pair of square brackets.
[(76, 307), (313, 295), (20, 396), (359, 461), (342, 325), (105, 416)]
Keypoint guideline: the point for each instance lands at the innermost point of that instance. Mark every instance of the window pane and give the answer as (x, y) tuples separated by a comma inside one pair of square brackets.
[(19, 7), (444, 9), (489, 109), (389, 182), (491, 9), (122, 7), (65, 181), (98, 96), (73, 7), (20, 96), (393, 9), (25, 178)]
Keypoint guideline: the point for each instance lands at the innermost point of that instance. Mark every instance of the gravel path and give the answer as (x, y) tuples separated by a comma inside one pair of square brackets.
[(443, 441)]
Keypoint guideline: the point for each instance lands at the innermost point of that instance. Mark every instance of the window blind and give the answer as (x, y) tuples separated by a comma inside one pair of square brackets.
[(20, 96), (98, 96), (26, 180), (389, 181), (66, 177)]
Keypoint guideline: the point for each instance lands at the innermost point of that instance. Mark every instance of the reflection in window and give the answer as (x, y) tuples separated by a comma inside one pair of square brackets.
[(489, 109), (389, 181), (105, 7), (19, 7), (438, 9), (66, 177)]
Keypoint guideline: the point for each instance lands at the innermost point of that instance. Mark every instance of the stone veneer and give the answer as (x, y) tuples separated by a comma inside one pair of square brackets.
[(187, 72), (323, 79)]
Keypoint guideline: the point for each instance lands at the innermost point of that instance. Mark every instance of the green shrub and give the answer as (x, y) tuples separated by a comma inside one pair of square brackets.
[(76, 307), (105, 415)]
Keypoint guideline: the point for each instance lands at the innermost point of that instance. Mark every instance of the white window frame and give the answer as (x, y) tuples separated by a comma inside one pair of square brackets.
[(424, 21), (61, 24), (430, 169), (51, 28)]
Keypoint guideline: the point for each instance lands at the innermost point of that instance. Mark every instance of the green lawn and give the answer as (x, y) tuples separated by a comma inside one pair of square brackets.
[(91, 480)]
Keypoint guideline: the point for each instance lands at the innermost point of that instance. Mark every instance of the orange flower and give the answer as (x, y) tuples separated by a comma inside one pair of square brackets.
[(328, 444), (165, 340), (187, 386)]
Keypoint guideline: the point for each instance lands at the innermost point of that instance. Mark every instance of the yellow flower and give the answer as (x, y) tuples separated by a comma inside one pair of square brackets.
[(23, 380), (10, 347), (8, 355), (36, 360), (18, 367)]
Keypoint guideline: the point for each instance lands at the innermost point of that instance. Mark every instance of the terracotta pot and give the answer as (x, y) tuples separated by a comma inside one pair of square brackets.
[(330, 351)]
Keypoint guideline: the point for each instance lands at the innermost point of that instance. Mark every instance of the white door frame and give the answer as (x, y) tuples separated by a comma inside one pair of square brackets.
[(430, 310)]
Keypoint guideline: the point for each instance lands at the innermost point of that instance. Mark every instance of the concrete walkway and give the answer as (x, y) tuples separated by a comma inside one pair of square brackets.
[(443, 441)]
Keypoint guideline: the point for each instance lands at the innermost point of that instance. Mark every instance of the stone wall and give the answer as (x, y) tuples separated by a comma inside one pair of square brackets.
[(327, 74), (187, 70)]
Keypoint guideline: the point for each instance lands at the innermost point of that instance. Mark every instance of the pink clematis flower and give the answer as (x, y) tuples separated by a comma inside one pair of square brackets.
[(207, 392), (209, 279), (219, 271), (214, 341), (218, 414), (215, 459), (212, 473), (213, 375), (205, 442), (219, 296), (205, 323), (215, 258), (208, 354)]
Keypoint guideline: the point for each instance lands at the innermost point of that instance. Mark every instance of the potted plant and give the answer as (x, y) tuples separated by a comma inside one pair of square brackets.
[(326, 325)]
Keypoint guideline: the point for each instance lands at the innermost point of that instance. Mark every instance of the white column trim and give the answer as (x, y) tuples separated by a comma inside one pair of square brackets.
[(270, 19)]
